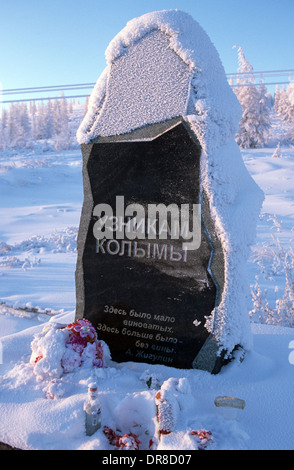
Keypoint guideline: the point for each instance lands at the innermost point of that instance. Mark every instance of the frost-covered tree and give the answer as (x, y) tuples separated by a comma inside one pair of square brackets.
[(86, 104), (23, 125), (41, 131), (277, 98), (33, 118), (18, 126), (264, 111), (290, 93), (255, 120), (4, 130), (291, 112), (277, 152), (282, 105), (12, 124), (49, 127), (56, 117), (62, 139)]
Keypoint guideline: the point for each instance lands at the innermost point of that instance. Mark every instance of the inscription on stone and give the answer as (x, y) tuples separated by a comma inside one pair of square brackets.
[(144, 291), (162, 244)]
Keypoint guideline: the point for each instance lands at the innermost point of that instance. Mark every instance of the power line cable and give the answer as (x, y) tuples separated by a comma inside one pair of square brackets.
[(44, 91), (44, 99), (47, 88), (84, 86), (261, 72), (89, 85), (86, 96), (237, 85)]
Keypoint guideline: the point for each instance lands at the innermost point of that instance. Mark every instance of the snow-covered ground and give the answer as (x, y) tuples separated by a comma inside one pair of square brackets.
[(41, 198)]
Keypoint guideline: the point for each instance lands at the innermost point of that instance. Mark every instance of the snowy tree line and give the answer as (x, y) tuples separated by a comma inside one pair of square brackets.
[(49, 125), (261, 110), (266, 120)]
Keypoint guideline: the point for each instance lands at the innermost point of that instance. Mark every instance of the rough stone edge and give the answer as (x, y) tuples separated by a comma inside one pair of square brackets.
[(154, 131), (7, 447), (82, 232), (211, 356)]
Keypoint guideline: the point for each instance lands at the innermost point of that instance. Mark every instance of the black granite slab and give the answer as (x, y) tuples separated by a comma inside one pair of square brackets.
[(147, 298)]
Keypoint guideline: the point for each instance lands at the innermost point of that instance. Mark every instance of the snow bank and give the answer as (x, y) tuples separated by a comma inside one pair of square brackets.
[(48, 414), (213, 113), (41, 405)]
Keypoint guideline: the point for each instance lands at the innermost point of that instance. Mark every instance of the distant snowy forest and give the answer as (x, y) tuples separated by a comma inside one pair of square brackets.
[(267, 120), (44, 126)]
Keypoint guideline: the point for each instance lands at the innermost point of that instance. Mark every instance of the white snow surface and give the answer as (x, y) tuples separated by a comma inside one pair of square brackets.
[(213, 112), (40, 208)]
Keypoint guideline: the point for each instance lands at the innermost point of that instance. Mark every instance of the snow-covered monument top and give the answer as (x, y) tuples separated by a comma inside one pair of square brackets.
[(162, 67), (195, 87)]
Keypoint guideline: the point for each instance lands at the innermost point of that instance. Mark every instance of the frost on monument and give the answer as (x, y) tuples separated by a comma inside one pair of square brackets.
[(158, 138)]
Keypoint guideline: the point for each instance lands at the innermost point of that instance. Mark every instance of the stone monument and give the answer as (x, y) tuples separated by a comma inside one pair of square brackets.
[(161, 269)]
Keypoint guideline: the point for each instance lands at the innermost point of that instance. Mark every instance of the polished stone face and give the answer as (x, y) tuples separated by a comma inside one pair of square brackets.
[(147, 297)]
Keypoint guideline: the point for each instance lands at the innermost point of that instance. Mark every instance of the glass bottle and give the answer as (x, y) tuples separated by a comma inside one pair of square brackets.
[(92, 408)]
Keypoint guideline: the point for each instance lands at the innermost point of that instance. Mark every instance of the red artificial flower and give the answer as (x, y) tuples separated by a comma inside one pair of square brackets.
[(204, 437), (38, 358), (127, 441)]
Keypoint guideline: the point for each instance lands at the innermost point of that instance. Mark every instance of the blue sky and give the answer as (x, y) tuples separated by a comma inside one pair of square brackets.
[(56, 42)]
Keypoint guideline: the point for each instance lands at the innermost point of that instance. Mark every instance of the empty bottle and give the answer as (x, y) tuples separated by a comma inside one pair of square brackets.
[(92, 408)]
